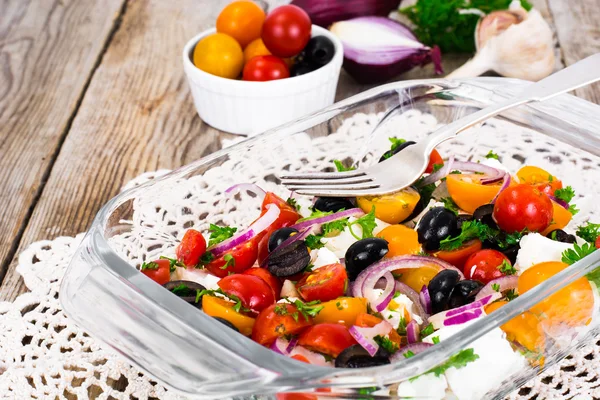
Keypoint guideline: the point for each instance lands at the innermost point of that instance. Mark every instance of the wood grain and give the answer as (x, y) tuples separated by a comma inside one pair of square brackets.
[(48, 50)]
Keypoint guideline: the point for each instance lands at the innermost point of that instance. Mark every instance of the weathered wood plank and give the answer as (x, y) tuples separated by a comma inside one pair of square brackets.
[(48, 50)]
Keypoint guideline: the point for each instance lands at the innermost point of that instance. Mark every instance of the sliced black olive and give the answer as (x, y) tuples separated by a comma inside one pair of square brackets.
[(289, 260), (187, 290), (438, 223), (462, 218), (363, 253), (279, 236), (332, 204), (440, 289), (561, 236), (464, 293), (301, 68), (319, 51), (399, 148), (484, 214), (356, 356), (227, 323)]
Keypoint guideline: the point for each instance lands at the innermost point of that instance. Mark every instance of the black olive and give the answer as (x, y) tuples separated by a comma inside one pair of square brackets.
[(561, 236), (484, 214), (363, 253), (332, 204), (227, 323), (438, 223), (399, 148), (319, 51), (356, 356), (462, 218), (511, 253), (424, 200), (279, 236), (464, 293), (289, 260), (301, 68), (187, 290), (440, 289)]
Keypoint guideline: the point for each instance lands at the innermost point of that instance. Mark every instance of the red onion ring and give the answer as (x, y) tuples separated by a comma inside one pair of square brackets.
[(312, 357), (425, 299), (317, 222), (365, 336), (505, 184), (469, 312), (292, 343), (414, 298), (280, 346), (415, 348), (560, 202), (382, 301), (492, 174), (504, 283), (464, 317), (248, 187), (257, 227), (412, 332), (292, 239), (440, 173)]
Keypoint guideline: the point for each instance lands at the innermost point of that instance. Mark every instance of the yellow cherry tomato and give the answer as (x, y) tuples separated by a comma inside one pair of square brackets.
[(217, 307), (342, 310), (560, 218), (541, 179), (220, 55), (417, 277), (468, 193), (256, 48), (393, 208), (401, 240), (242, 20), (572, 305), (524, 329)]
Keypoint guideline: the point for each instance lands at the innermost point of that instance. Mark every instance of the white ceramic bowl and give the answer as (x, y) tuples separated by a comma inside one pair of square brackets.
[(248, 108)]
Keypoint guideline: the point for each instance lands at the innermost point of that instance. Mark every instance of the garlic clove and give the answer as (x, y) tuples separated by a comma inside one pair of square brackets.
[(493, 24)]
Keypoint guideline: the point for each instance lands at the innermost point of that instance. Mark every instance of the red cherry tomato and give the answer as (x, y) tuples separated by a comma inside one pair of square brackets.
[(265, 68), (253, 292), (235, 261), (484, 266), (523, 207), (158, 270), (330, 339), (286, 31), (265, 275), (459, 256), (278, 320), (325, 283), (597, 242), (434, 158), (288, 215), (191, 248)]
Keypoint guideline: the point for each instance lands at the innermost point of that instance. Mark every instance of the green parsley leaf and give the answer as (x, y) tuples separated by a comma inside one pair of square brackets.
[(310, 309), (449, 204), (455, 172), (340, 166), (180, 290), (173, 263), (459, 360), (219, 234), (594, 277), (396, 142), (397, 294), (293, 203), (309, 268), (493, 155), (571, 256), (315, 214), (339, 306), (367, 223), (408, 354), (149, 265), (402, 327), (589, 232), (229, 261), (334, 228), (506, 268), (386, 343), (205, 259), (435, 339), (511, 295), (507, 240), (428, 330), (469, 230), (550, 178), (496, 287), (437, 167), (313, 242), (367, 390), (573, 209), (565, 194), (280, 309)]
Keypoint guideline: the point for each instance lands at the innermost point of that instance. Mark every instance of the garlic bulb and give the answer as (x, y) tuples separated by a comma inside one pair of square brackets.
[(514, 43)]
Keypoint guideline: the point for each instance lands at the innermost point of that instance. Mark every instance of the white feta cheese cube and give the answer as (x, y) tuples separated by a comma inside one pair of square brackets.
[(536, 249), (200, 276), (426, 386), (323, 256)]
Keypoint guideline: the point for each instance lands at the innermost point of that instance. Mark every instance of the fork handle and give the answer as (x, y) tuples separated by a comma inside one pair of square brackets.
[(580, 74)]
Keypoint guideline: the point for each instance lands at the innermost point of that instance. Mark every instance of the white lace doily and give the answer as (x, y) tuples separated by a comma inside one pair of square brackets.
[(44, 355)]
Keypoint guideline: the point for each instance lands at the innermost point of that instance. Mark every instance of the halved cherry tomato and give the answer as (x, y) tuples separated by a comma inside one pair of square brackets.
[(217, 307), (597, 243), (242, 20), (524, 329), (434, 159), (253, 292), (235, 261), (459, 256), (330, 339), (401, 240), (265, 68), (572, 305), (417, 277), (484, 266), (296, 396), (265, 275), (288, 215), (278, 320), (342, 310), (368, 321), (325, 283), (541, 179), (286, 30), (560, 218), (522, 207), (191, 248), (158, 270), (393, 208), (468, 193)]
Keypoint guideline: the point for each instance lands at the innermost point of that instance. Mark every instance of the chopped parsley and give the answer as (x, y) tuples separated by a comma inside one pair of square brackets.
[(594, 277), (565, 194), (435, 339), (334, 228), (229, 261), (341, 167), (402, 327), (437, 167), (205, 259), (428, 330), (571, 256), (449, 204), (589, 232), (386, 343), (367, 390), (511, 295), (396, 142), (180, 289), (313, 242), (397, 294), (293, 203), (506, 268), (339, 306), (367, 223), (511, 239), (172, 263), (573, 209), (459, 360), (408, 354), (493, 155), (496, 287), (310, 309), (219, 234), (150, 265), (469, 230)]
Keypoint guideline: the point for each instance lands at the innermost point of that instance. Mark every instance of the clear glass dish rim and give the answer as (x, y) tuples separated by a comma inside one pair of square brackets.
[(404, 369)]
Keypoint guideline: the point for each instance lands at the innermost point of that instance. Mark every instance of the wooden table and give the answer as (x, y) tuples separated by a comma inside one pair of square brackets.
[(92, 93)]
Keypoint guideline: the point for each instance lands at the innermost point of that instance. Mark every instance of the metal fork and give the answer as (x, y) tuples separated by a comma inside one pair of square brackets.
[(404, 168)]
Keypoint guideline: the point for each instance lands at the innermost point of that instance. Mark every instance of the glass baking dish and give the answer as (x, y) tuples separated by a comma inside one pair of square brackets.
[(188, 351)]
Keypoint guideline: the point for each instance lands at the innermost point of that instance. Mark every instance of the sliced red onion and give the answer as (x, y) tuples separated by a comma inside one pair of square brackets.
[(504, 283), (325, 13), (425, 299), (365, 336), (382, 301), (415, 348), (464, 317), (412, 332), (248, 187), (414, 298), (315, 223), (257, 227), (453, 317), (292, 343), (505, 185), (280, 346), (492, 174), (560, 202), (312, 357), (440, 173), (292, 239)]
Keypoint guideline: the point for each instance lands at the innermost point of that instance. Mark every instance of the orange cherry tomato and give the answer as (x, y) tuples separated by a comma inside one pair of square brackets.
[(343, 310), (524, 329), (434, 159), (543, 180), (218, 307), (572, 305), (560, 218), (468, 193), (158, 270), (401, 240), (417, 277), (256, 48), (393, 208), (220, 55), (330, 339), (242, 20), (276, 321), (459, 256)]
